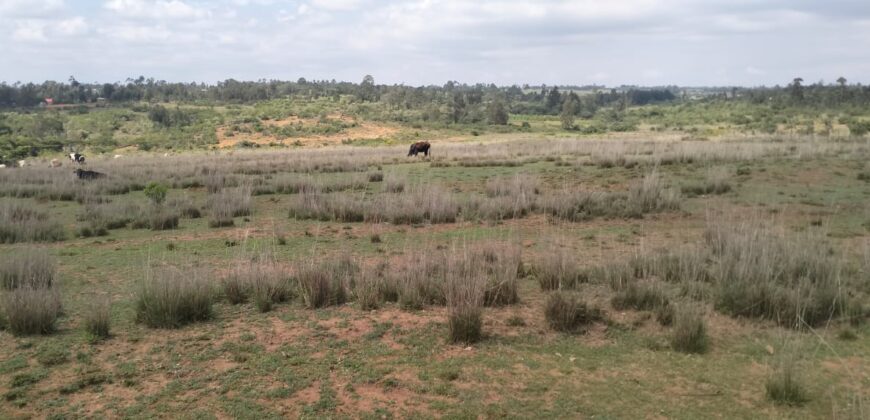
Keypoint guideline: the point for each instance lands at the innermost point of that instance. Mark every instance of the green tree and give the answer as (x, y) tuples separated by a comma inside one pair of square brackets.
[(554, 99), (797, 90), (496, 112), (569, 111), (156, 192)]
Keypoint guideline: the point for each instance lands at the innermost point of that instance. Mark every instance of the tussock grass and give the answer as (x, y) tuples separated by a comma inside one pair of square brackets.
[(503, 265), (649, 195), (170, 297), (31, 310), (717, 181), (319, 286), (97, 319), (795, 281), (259, 277), (640, 295), (558, 269), (23, 224), (690, 331), (27, 267), (368, 290), (785, 385), (227, 203), (465, 289), (567, 312), (393, 184)]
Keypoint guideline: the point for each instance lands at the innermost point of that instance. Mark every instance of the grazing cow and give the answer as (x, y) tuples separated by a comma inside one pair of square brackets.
[(22, 163), (419, 147), (86, 174), (54, 163), (117, 156), (77, 158), (2, 166)]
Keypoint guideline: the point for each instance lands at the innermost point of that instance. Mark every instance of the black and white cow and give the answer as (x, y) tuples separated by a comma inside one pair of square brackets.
[(77, 158)]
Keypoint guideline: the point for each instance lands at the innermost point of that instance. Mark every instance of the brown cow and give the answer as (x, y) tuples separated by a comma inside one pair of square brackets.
[(419, 147)]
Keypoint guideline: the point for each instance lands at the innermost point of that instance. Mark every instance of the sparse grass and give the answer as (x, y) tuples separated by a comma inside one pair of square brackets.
[(716, 182), (31, 310), (170, 297), (227, 203), (690, 331)]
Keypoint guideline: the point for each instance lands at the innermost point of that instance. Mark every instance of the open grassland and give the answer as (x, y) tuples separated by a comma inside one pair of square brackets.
[(528, 277)]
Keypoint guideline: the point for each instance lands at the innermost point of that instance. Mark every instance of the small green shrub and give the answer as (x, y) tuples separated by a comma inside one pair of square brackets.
[(784, 386), (97, 318), (156, 192)]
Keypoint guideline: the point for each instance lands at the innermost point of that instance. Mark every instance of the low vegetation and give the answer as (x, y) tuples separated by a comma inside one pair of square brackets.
[(171, 297)]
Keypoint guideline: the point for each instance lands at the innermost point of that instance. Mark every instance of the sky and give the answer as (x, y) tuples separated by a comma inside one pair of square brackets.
[(421, 42)]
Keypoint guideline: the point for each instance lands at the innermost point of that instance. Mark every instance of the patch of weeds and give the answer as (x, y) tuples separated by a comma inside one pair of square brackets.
[(52, 354), (516, 321), (847, 334)]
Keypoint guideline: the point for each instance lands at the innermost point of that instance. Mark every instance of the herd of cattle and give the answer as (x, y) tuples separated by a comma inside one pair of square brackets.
[(79, 159)]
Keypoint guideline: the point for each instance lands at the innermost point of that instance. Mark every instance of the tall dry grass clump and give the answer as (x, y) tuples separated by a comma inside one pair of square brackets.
[(97, 318), (23, 224), (648, 195), (793, 280), (227, 203), (567, 312), (31, 310), (31, 303), (785, 385), (690, 330), (717, 181), (367, 290), (465, 290), (170, 297), (28, 267), (558, 269), (393, 183), (259, 277), (319, 286), (503, 266), (421, 281)]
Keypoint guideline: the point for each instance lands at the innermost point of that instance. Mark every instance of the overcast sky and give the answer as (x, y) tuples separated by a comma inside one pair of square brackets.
[(611, 42)]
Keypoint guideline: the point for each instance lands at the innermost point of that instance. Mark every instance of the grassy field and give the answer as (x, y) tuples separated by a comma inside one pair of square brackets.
[(643, 274)]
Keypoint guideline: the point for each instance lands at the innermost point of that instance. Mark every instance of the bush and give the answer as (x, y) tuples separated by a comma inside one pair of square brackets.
[(163, 219), (236, 288), (21, 224), (156, 192), (784, 386), (171, 297), (565, 312), (31, 310), (690, 332), (29, 267), (717, 182), (465, 288), (376, 177), (97, 318)]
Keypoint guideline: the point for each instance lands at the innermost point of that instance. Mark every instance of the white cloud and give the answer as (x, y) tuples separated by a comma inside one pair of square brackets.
[(72, 26), (755, 71), (337, 5), (155, 9), (28, 8), (29, 30)]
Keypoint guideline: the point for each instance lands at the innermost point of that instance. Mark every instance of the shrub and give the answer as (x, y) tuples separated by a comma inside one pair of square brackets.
[(376, 177), (784, 386), (465, 288), (156, 192), (717, 182), (690, 332), (171, 297), (236, 288), (31, 310), (22, 224), (97, 318), (565, 312), (28, 267)]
